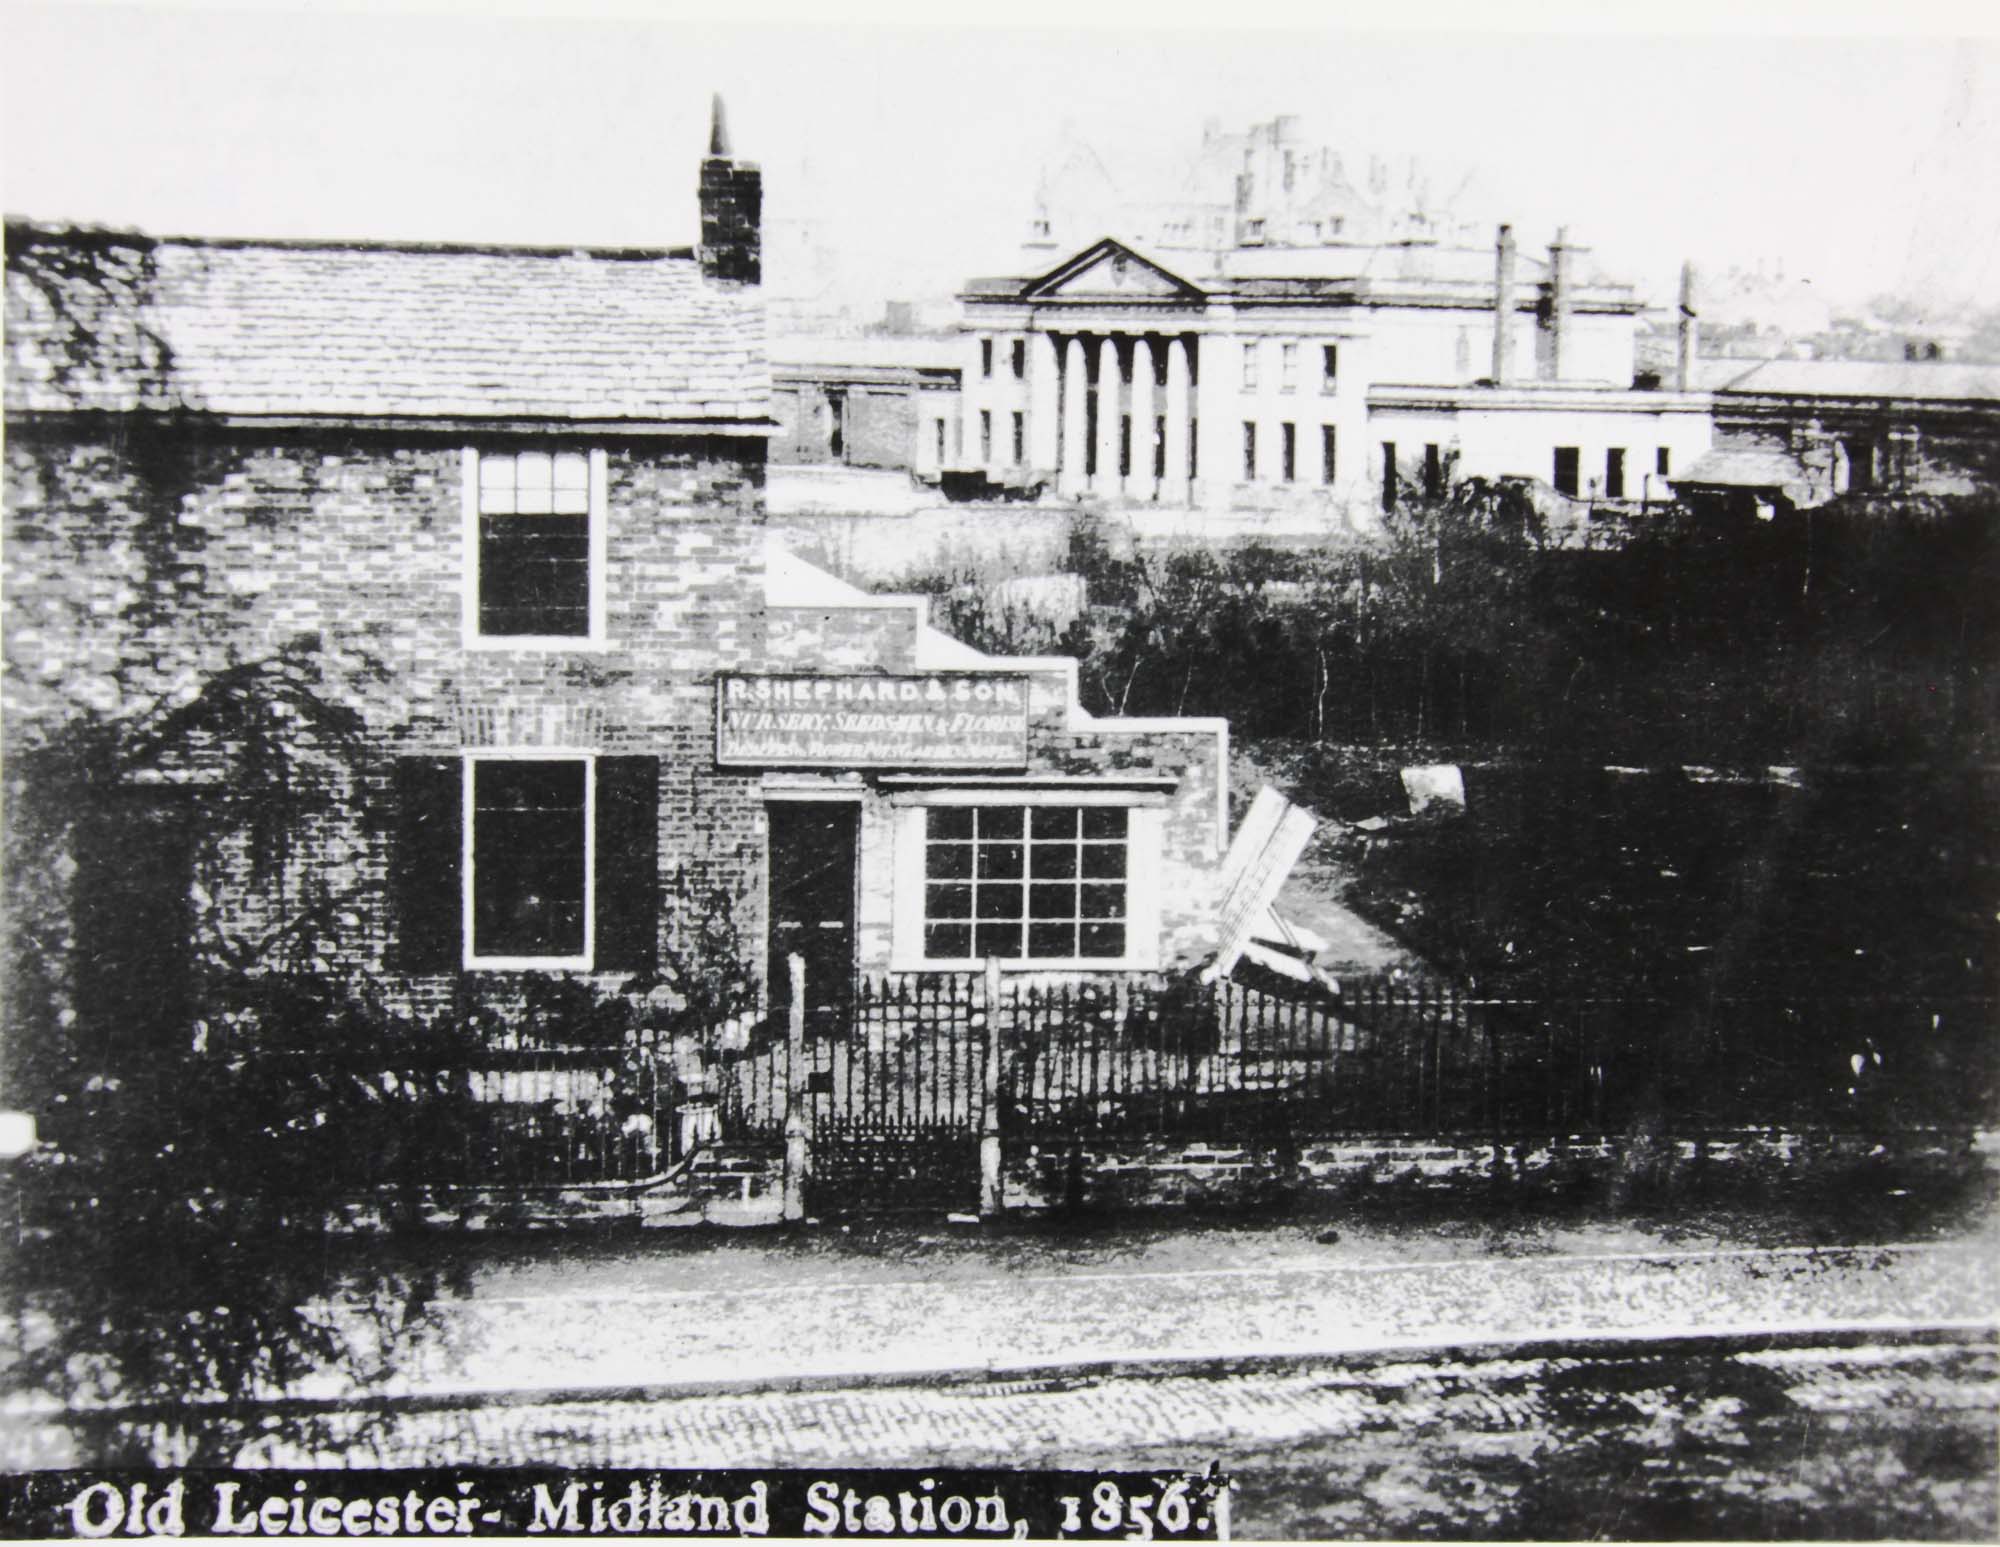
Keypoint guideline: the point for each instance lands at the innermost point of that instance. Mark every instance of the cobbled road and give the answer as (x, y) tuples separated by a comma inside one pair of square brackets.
[(1809, 1435)]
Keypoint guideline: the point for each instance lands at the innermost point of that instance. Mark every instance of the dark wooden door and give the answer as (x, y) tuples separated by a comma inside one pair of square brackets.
[(813, 849)]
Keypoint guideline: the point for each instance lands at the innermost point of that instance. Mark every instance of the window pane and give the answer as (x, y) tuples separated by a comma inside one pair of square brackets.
[(1102, 940), (947, 902), (1104, 821), (496, 485), (1052, 861), (534, 575), (528, 858), (1000, 821), (1000, 902), (997, 940), (1001, 861), (1104, 861), (1053, 821), (1104, 902), (534, 482), (947, 940), (1057, 901), (1051, 941), (948, 861), (950, 822)]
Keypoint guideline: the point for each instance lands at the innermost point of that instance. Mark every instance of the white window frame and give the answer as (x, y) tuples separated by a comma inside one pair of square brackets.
[(468, 881), (1288, 366), (1145, 838), (599, 466), (1250, 364)]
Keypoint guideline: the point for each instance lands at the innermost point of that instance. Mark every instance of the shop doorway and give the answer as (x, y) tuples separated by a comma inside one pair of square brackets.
[(814, 845)]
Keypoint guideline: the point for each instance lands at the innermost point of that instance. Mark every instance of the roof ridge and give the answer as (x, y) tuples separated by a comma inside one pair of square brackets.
[(63, 229)]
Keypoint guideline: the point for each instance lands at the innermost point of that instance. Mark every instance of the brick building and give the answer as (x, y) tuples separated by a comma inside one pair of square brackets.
[(882, 402), (508, 502)]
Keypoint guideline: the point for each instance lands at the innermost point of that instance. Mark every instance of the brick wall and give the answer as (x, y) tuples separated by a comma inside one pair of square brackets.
[(1147, 1174), (136, 569)]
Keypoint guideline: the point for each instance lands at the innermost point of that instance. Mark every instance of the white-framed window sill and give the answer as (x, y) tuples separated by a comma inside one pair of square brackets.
[(528, 964), (1026, 964), (538, 644)]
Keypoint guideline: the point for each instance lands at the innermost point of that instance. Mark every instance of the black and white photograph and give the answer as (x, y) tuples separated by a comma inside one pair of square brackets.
[(1092, 772)]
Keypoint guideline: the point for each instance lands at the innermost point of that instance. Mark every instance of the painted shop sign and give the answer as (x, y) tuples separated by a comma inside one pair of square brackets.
[(940, 720)]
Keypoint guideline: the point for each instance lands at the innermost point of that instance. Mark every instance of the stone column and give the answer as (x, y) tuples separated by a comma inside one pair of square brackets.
[(1218, 413), (978, 394), (1174, 487), (1141, 484), (1044, 393), (1076, 382), (1109, 407)]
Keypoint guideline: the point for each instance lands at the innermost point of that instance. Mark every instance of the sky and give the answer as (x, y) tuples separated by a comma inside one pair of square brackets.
[(1859, 162)]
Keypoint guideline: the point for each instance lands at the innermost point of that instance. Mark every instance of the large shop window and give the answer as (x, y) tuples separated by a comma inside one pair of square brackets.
[(1041, 883), (507, 861), (535, 547)]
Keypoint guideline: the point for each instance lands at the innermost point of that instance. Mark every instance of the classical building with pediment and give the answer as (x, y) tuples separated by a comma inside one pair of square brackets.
[(1263, 375)]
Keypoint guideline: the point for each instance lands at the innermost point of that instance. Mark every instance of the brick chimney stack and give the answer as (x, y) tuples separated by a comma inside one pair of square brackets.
[(1503, 306), (1558, 303), (1689, 340), (732, 210)]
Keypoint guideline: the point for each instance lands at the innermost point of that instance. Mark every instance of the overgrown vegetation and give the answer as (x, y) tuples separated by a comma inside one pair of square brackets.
[(218, 1086), (1865, 631)]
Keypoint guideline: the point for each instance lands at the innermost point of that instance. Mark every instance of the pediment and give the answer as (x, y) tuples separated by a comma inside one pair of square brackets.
[(1111, 271)]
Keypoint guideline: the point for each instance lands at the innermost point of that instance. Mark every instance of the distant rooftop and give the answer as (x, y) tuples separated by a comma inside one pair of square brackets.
[(878, 350), (1908, 380), (120, 321)]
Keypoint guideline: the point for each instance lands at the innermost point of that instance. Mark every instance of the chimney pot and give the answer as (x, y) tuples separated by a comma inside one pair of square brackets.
[(732, 210)]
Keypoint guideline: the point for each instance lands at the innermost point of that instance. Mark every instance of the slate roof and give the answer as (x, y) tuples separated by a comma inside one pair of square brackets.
[(118, 321), (1908, 381), (1743, 467)]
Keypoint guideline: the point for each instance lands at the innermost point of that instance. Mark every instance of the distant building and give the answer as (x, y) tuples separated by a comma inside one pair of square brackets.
[(1270, 186), (1319, 375), (1799, 432), (867, 402)]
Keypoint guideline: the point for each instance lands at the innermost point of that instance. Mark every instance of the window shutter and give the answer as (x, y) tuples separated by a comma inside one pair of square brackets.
[(628, 864), (429, 905)]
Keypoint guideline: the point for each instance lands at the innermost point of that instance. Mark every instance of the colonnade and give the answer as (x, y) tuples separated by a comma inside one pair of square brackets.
[(1109, 412)]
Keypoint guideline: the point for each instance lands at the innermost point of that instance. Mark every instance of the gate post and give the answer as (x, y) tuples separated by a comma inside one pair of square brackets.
[(991, 1201), (798, 1130)]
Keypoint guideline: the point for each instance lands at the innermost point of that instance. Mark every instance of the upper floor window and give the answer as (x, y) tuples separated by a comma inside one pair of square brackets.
[(1329, 366), (1250, 365), (1020, 358), (1288, 367), (536, 546), (986, 357)]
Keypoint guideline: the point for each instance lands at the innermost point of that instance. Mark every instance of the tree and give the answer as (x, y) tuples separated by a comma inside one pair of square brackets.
[(202, 1123)]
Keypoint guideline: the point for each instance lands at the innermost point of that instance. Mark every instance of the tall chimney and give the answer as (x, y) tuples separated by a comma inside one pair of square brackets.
[(1689, 340), (1558, 306), (732, 210), (1503, 306)]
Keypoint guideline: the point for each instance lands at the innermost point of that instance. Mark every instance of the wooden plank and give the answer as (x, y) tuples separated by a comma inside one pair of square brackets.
[(1266, 846)]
